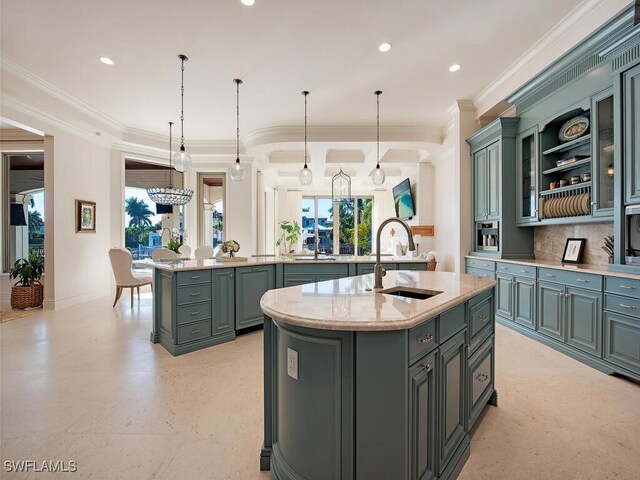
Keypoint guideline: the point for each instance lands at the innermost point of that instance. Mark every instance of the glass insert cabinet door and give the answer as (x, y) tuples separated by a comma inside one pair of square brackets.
[(603, 150), (527, 159)]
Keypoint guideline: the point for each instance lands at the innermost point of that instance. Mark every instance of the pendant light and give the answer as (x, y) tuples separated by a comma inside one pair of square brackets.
[(182, 159), (340, 187), (170, 196), (237, 172), (305, 174), (378, 176)]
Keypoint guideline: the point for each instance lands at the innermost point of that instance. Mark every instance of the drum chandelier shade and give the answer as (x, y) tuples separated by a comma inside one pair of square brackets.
[(181, 159), (378, 176), (170, 195), (237, 172), (340, 187), (305, 174)]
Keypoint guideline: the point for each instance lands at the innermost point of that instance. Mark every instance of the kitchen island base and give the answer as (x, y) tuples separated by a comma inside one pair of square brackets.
[(388, 404)]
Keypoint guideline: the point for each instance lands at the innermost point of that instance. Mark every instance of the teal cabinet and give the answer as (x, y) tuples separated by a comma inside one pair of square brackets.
[(222, 301), (631, 119), (504, 295), (481, 185), (300, 274), (366, 268), (251, 283), (422, 412), (526, 176), (493, 181), (584, 320), (551, 310), (602, 153), (480, 321), (622, 341), (516, 294), (524, 302), (480, 384), (452, 366)]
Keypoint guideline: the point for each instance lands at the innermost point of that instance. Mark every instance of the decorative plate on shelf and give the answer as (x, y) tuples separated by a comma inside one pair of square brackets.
[(573, 128)]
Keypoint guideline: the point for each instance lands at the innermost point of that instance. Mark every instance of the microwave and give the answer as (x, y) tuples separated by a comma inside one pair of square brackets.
[(632, 240)]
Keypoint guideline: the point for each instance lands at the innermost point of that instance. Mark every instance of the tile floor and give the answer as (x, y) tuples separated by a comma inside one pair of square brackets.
[(85, 384)]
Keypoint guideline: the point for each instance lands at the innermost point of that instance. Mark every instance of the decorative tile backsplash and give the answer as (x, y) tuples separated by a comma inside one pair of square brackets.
[(549, 241)]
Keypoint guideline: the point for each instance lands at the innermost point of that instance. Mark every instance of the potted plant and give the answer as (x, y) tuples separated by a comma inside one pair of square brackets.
[(28, 291), (289, 236), (175, 241)]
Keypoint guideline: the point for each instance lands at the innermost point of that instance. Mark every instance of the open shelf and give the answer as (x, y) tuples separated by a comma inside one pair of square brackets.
[(568, 188), (569, 145), (568, 166)]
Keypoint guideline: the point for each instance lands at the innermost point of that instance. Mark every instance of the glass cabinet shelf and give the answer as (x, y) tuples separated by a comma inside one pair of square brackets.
[(569, 145), (569, 166)]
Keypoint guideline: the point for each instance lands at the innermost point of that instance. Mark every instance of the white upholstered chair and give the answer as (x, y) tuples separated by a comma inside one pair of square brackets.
[(184, 251), (121, 262), (203, 252), (163, 254)]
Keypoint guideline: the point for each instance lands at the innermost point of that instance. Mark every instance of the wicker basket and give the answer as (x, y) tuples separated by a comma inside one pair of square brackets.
[(27, 297), (431, 266)]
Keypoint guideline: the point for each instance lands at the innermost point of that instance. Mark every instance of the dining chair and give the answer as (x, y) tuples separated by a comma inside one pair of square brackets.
[(163, 254), (185, 251), (121, 263), (203, 252)]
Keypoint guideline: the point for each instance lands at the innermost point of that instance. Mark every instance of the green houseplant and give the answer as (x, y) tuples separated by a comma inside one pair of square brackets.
[(27, 291), (289, 237)]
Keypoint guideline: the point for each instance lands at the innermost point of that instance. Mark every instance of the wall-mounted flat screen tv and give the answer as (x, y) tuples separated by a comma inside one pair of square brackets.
[(162, 209), (403, 200)]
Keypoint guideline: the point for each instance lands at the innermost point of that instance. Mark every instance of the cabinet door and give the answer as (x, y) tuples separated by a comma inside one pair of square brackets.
[(551, 310), (602, 154), (493, 181), (251, 284), (480, 381), (584, 320), (524, 302), (631, 132), (526, 161), (451, 411), (292, 279), (422, 408), (504, 296), (222, 301), (480, 184), (622, 341)]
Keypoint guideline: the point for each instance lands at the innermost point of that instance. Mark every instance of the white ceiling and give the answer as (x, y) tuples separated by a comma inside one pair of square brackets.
[(279, 48)]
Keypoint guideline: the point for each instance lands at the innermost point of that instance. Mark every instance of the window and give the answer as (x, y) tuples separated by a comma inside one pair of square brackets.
[(337, 234), (211, 198)]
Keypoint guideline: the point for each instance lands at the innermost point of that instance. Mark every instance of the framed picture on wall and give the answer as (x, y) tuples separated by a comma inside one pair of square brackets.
[(573, 250), (85, 216)]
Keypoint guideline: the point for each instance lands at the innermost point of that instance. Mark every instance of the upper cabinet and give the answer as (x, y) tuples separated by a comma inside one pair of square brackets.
[(486, 181), (526, 168), (631, 118), (602, 154)]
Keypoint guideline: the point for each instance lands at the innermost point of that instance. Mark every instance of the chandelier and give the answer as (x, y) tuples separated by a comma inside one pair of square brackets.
[(170, 195), (340, 187)]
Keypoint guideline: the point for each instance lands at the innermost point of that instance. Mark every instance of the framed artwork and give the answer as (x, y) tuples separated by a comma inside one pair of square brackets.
[(573, 250), (85, 216)]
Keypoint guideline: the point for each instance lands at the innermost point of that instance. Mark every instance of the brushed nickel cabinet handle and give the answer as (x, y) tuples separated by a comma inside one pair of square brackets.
[(482, 377), (582, 280), (195, 277), (255, 269), (231, 275), (630, 307), (627, 287), (195, 294), (193, 332), (550, 275), (524, 271), (468, 347), (483, 318), (427, 367), (503, 268), (487, 264), (195, 312), (427, 338)]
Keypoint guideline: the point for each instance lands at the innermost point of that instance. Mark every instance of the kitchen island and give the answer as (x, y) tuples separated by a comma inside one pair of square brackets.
[(200, 303), (367, 384)]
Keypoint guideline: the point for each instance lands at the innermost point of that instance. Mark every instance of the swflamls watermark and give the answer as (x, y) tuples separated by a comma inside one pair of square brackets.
[(54, 466)]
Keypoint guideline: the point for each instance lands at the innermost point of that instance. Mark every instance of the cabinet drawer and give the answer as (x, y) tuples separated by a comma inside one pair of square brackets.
[(422, 339), (194, 312), (194, 331), (481, 273), (193, 277), (318, 268), (451, 322), (412, 266), (480, 321), (365, 268), (574, 279), (624, 305), (483, 264), (622, 341), (194, 294), (622, 286), (481, 368), (515, 269)]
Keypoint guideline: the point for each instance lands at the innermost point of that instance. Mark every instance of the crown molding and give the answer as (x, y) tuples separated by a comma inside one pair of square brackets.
[(31, 78), (196, 147)]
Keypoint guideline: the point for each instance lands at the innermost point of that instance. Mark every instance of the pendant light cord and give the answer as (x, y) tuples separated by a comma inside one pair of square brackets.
[(170, 158), (238, 82), (305, 93), (182, 58), (378, 92)]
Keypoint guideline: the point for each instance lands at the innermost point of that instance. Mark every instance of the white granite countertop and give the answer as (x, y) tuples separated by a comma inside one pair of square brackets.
[(180, 265), (580, 267), (351, 304)]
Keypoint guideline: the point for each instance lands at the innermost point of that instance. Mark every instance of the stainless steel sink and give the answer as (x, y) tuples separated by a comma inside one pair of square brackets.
[(408, 292)]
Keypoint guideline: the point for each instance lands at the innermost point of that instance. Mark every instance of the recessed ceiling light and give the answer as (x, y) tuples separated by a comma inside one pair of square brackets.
[(455, 67), (384, 47), (106, 60), (248, 3)]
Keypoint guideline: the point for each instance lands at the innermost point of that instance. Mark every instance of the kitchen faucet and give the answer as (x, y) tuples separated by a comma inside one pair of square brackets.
[(378, 269), (317, 240)]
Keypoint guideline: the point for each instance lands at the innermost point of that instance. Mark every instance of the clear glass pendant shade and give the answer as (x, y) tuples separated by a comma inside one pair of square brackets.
[(182, 160), (237, 172), (378, 176), (305, 176)]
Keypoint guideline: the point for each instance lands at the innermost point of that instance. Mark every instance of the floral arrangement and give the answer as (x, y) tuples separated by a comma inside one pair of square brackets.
[(230, 247), (175, 242), (432, 256)]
